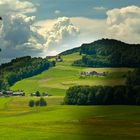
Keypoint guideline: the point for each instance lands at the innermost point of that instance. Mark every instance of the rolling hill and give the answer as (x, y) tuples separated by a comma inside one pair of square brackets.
[(58, 122), (58, 79), (107, 53)]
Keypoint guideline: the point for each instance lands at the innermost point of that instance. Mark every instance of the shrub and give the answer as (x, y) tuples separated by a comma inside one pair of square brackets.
[(31, 103), (42, 102)]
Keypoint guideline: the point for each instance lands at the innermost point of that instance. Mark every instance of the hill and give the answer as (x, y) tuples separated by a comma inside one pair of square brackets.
[(57, 121), (21, 68), (101, 53), (58, 79), (107, 53)]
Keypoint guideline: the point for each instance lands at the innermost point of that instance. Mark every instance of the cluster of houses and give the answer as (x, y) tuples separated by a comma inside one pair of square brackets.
[(92, 73), (12, 93), (37, 94), (20, 93)]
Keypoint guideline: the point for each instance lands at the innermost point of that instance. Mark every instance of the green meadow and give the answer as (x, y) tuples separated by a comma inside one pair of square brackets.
[(60, 122), (58, 79)]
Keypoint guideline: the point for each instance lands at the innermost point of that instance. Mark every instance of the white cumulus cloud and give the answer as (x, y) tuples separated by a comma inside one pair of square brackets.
[(62, 35), (124, 23), (18, 35), (23, 35), (13, 6)]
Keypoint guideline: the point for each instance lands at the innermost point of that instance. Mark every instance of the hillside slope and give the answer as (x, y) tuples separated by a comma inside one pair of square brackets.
[(58, 79), (21, 68), (107, 53)]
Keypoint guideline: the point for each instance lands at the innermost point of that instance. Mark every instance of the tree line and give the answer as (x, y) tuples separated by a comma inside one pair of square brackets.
[(21, 68), (128, 94), (109, 53), (103, 95)]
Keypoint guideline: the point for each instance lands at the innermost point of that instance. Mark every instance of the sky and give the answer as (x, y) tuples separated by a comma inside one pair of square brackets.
[(48, 27)]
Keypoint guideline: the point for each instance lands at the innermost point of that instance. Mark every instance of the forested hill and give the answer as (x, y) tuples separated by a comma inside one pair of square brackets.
[(21, 68), (107, 53)]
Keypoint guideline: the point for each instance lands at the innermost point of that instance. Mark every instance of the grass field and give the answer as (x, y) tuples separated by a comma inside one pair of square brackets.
[(56, 80), (60, 122)]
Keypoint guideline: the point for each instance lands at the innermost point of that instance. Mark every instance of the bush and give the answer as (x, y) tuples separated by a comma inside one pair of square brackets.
[(40, 102), (38, 94), (31, 103)]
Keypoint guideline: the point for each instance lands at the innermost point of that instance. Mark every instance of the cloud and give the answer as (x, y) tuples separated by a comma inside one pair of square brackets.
[(18, 35), (90, 29), (124, 23), (101, 8), (62, 35), (23, 35), (14, 6), (57, 12)]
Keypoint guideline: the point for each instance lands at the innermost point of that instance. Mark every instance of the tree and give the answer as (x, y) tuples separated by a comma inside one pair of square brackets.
[(108, 95), (82, 99), (91, 99), (103, 95), (137, 94), (99, 96), (133, 78), (31, 103), (42, 102), (119, 95), (21, 68), (38, 94), (1, 83)]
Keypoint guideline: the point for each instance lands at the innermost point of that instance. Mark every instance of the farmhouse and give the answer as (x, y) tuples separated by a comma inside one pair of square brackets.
[(33, 94), (18, 94), (8, 93), (11, 93), (92, 73), (59, 59), (45, 94)]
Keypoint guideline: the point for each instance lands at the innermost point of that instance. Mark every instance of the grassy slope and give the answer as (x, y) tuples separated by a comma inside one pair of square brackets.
[(57, 79), (55, 122)]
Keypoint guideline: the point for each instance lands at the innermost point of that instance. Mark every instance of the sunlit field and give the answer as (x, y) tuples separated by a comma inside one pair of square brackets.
[(58, 79), (55, 121)]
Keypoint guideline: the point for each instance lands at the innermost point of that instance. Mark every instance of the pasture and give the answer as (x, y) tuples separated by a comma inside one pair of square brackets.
[(58, 122), (58, 79)]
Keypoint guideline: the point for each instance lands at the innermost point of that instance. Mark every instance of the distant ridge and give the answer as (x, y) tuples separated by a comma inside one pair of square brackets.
[(107, 53), (104, 41)]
